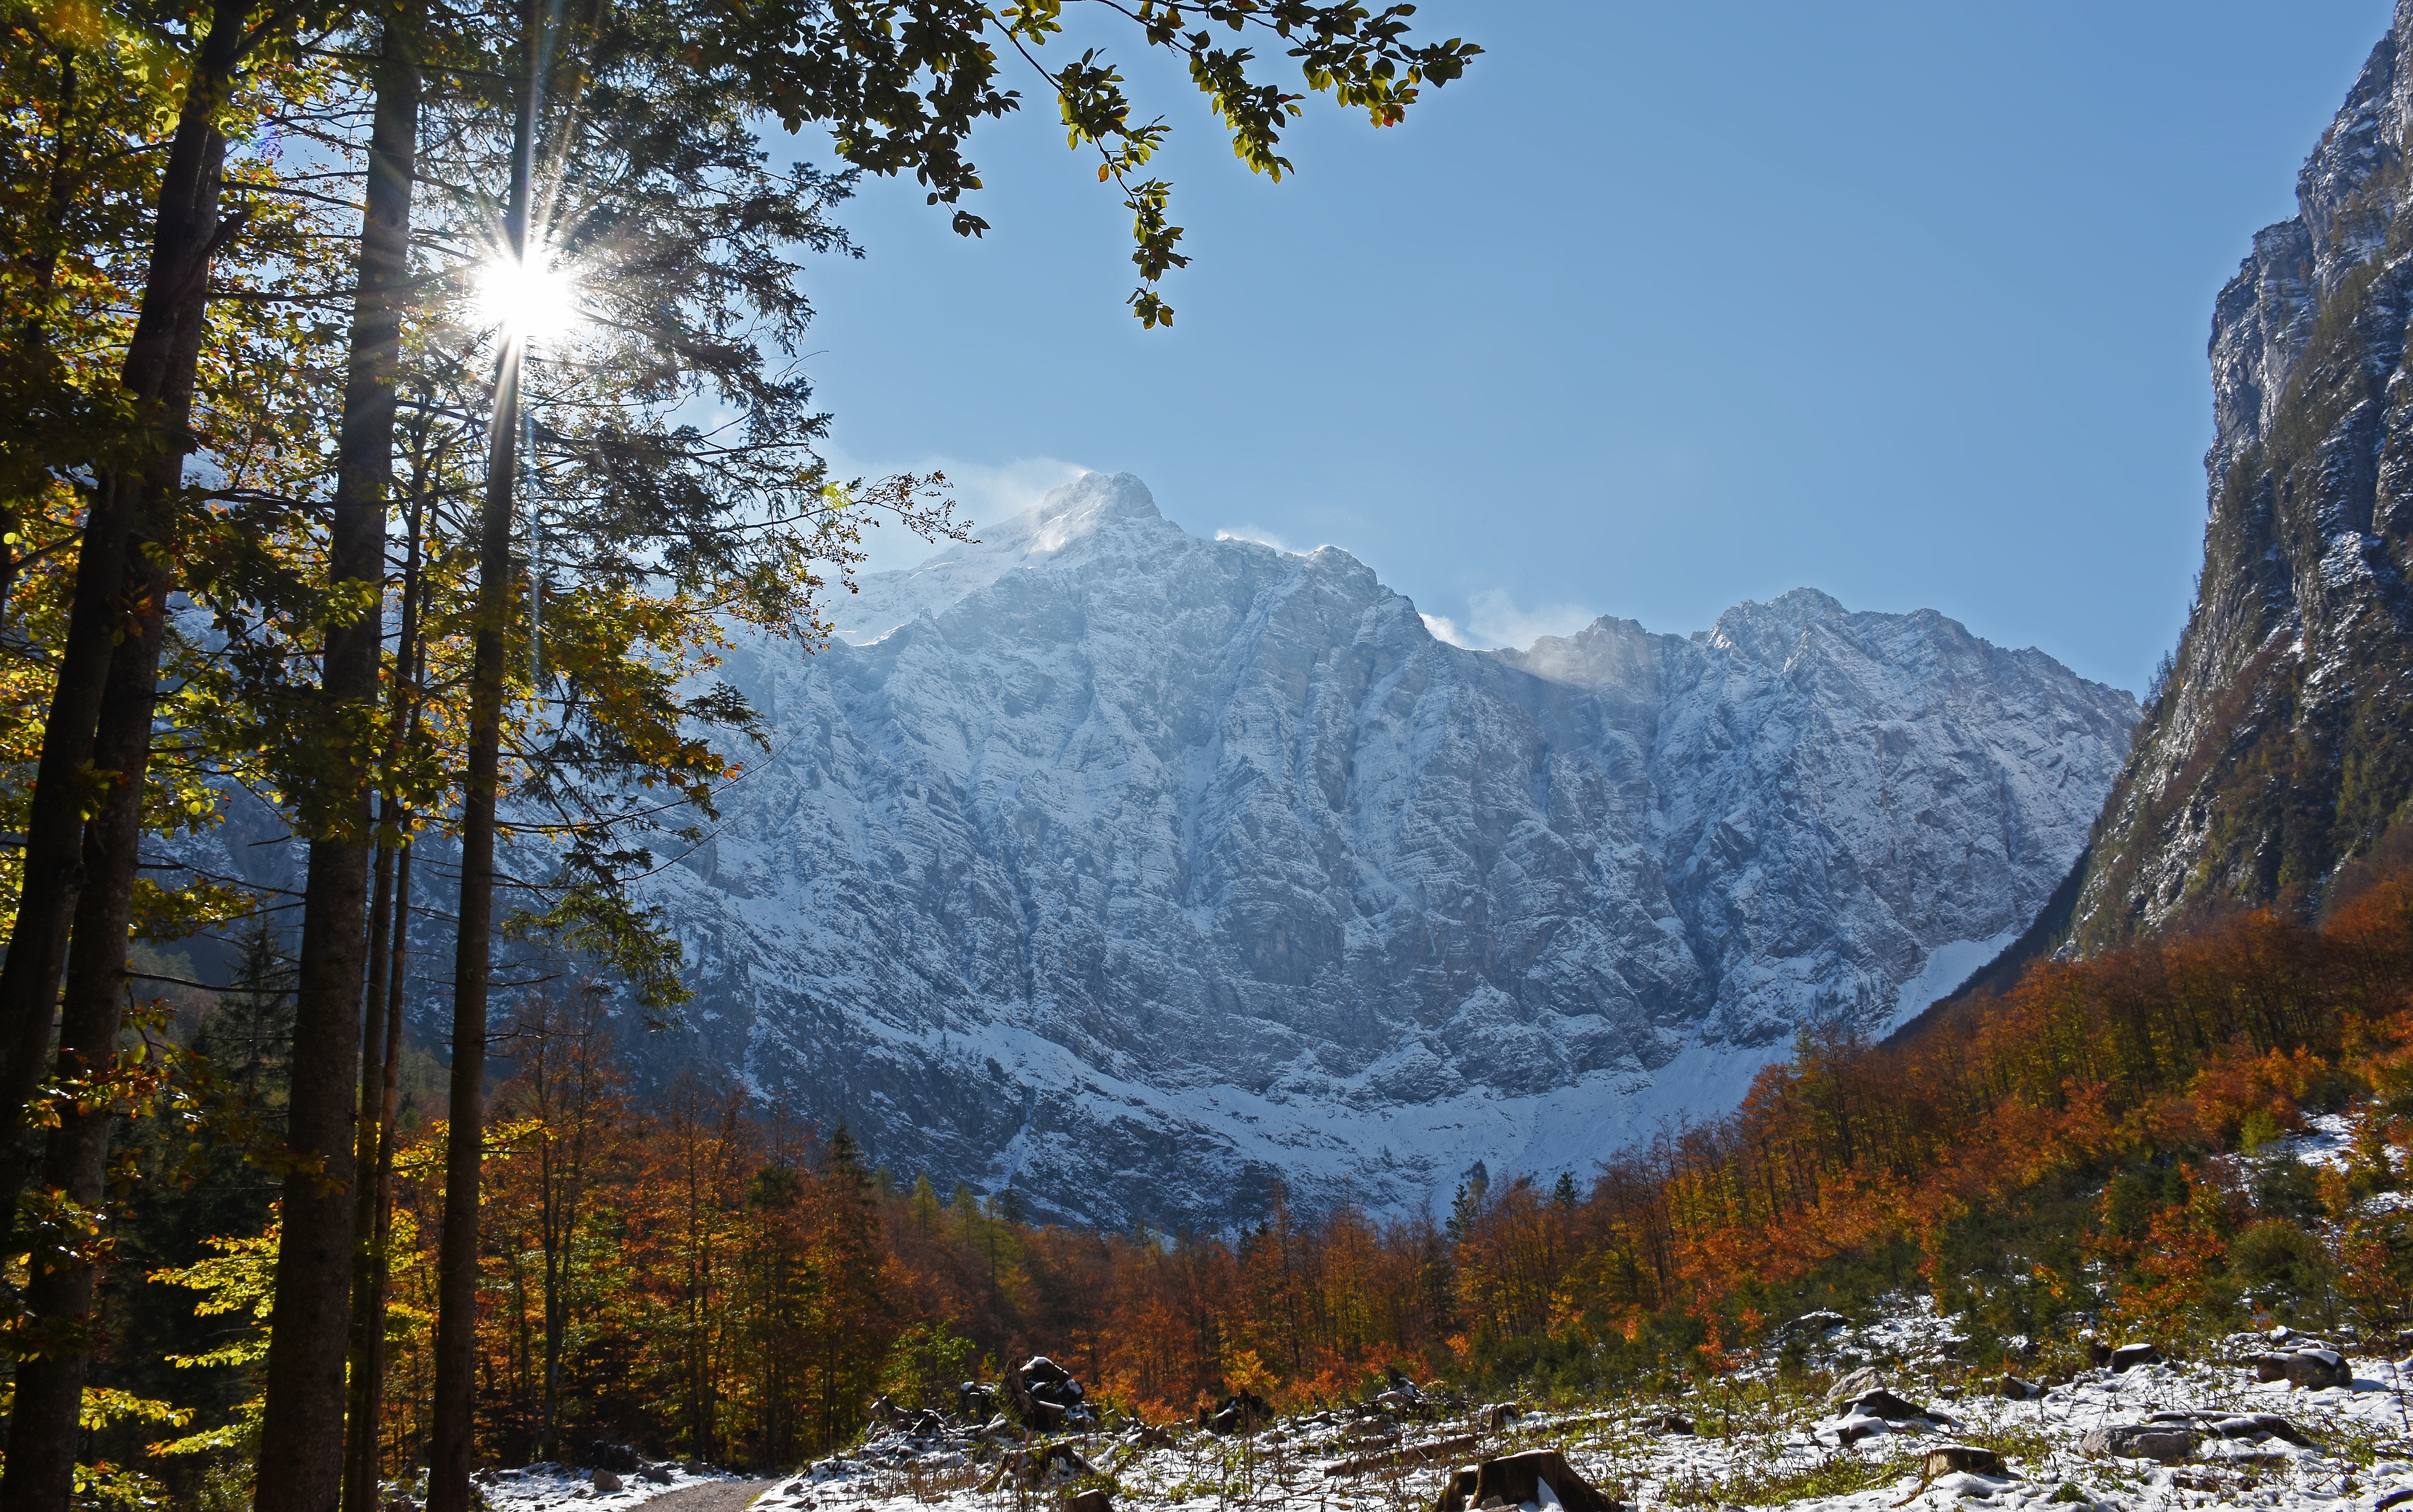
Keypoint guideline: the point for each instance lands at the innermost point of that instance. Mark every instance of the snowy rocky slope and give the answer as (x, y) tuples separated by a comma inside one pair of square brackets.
[(1138, 871), (2282, 742), (1884, 1417)]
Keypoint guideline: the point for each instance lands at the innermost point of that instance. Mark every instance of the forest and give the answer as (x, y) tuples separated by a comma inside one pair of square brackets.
[(666, 1266), (402, 410)]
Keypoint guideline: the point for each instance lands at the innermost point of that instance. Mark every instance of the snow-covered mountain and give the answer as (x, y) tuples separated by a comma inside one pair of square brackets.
[(1138, 871)]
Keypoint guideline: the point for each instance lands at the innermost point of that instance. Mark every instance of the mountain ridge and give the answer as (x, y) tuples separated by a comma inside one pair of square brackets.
[(1139, 872), (2276, 746)]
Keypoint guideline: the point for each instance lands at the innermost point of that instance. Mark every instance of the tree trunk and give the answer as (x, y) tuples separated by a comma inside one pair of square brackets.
[(380, 1067), (452, 1443), (42, 1427), (301, 1425), (160, 361)]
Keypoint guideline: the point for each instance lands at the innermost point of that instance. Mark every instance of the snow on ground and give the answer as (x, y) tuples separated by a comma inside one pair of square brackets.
[(543, 1488), (1754, 1443)]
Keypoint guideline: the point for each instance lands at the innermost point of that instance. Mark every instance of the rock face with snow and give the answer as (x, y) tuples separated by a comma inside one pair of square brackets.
[(2280, 742), (1139, 872)]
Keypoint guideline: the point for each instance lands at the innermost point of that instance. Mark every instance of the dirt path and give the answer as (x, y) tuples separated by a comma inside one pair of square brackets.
[(716, 1496)]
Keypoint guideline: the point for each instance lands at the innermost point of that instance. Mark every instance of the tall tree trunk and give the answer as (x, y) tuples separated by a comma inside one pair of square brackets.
[(42, 1426), (380, 1061), (452, 1443), (160, 361), (302, 1425)]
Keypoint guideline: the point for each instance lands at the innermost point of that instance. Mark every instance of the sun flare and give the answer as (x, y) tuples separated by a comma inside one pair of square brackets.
[(535, 299)]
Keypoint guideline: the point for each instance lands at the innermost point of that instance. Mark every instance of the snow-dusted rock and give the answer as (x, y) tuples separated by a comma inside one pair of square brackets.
[(1138, 871), (2281, 745)]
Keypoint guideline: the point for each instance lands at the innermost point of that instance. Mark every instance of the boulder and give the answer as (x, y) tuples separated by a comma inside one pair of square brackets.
[(1518, 1478), (2167, 1442), (2313, 1369), (1883, 1403), (2258, 1427), (658, 1474), (1963, 1459), (607, 1482), (1864, 1379), (1045, 1396), (2128, 1357), (2012, 1388)]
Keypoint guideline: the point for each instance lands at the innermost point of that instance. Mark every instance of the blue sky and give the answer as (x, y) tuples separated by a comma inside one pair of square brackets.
[(1664, 306)]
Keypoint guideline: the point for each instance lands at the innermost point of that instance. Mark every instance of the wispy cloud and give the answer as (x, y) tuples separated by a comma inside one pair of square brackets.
[(986, 494), (1445, 629), (1256, 533), (1493, 618)]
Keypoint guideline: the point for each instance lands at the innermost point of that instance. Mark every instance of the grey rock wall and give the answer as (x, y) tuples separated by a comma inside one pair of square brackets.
[(1139, 872), (2279, 747)]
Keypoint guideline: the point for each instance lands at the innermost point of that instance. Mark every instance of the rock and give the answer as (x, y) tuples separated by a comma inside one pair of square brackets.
[(1864, 1379), (2297, 627), (2255, 1426), (658, 1474), (2269, 1366), (607, 1482), (1028, 711), (2314, 1369), (2140, 1441), (1045, 1396), (1093, 1500), (1518, 1478), (2011, 1388), (1964, 1458), (2128, 1357), (1672, 1425), (1884, 1403)]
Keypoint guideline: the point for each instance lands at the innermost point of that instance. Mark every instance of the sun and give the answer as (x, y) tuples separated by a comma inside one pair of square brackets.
[(533, 299)]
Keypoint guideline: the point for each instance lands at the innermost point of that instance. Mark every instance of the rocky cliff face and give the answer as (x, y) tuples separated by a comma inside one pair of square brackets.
[(2278, 744), (1138, 871)]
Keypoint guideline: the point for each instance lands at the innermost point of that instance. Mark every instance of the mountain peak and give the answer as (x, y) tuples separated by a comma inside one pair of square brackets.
[(1090, 500), (1148, 871)]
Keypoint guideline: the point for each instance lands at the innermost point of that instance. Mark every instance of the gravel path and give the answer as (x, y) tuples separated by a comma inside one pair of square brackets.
[(718, 1496)]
